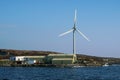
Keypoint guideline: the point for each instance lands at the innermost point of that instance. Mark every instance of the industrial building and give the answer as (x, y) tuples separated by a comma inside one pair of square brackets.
[(61, 58)]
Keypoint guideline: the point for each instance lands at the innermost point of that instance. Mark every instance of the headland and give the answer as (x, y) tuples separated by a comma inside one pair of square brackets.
[(29, 58)]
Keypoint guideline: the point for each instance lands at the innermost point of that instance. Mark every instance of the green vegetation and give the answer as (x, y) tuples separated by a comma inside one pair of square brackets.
[(5, 62)]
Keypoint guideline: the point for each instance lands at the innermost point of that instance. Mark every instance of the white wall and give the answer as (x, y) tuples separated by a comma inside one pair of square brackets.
[(17, 58)]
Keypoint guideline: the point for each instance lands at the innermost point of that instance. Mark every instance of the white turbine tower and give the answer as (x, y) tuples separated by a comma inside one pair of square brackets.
[(74, 29)]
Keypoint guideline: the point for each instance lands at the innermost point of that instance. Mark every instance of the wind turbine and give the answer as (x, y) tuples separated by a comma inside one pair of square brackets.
[(74, 29)]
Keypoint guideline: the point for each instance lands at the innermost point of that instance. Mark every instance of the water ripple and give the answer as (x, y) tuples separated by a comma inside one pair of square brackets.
[(38, 73)]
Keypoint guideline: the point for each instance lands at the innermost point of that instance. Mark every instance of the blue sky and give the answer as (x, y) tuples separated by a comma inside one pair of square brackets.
[(36, 24)]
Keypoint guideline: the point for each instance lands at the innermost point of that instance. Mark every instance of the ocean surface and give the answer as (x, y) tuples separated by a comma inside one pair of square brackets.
[(42, 73)]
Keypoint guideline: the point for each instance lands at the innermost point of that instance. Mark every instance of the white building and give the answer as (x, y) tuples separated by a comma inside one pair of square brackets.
[(17, 58), (28, 59)]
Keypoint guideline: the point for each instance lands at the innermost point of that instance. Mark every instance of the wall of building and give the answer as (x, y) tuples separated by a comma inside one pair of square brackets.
[(62, 61)]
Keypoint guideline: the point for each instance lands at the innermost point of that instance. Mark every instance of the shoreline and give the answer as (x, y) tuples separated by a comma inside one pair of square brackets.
[(48, 65)]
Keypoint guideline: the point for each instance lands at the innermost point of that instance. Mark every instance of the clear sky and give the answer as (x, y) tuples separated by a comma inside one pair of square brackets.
[(36, 24)]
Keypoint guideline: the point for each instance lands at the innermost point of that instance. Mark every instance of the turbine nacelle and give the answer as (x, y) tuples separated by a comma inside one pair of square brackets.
[(74, 28)]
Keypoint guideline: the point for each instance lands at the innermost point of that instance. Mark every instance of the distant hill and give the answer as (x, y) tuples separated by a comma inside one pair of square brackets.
[(6, 53), (24, 52)]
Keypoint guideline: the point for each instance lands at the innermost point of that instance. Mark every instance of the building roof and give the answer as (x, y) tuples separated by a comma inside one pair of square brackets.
[(62, 59), (31, 56), (60, 55), (35, 56)]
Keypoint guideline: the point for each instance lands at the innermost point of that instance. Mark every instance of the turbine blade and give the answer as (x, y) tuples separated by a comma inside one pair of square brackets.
[(75, 16), (82, 35), (66, 32)]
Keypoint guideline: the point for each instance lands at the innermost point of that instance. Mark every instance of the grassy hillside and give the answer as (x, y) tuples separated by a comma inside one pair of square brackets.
[(24, 52)]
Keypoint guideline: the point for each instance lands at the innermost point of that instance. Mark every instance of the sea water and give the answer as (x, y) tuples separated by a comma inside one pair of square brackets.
[(43, 73)]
